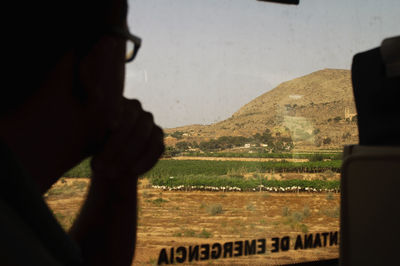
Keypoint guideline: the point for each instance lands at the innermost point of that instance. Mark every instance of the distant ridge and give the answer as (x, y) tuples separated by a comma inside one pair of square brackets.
[(316, 110)]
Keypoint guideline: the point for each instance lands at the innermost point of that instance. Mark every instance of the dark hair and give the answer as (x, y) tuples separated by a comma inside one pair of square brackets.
[(41, 32)]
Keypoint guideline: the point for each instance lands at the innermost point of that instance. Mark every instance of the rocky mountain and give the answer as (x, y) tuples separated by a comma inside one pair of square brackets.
[(316, 111)]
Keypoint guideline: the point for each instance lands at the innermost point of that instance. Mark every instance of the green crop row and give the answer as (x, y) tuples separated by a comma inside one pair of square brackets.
[(166, 168), (217, 168)]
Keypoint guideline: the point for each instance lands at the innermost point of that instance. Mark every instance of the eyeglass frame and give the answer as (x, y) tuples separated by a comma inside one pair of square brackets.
[(137, 41)]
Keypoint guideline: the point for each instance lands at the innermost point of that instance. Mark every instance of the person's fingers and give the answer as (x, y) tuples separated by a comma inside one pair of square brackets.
[(133, 160), (133, 147), (137, 141), (129, 115), (154, 150)]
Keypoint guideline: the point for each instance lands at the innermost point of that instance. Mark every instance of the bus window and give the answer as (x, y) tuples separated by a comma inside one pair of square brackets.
[(256, 103)]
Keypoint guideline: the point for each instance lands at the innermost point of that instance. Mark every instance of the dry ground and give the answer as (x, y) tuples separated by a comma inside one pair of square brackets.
[(172, 219)]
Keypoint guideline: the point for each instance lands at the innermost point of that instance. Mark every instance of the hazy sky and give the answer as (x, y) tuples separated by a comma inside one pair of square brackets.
[(201, 60)]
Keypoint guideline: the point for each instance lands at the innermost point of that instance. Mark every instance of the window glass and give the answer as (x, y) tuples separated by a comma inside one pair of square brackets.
[(256, 102)]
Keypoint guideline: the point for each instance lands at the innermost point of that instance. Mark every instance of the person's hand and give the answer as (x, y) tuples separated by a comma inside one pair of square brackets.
[(133, 146), (106, 226)]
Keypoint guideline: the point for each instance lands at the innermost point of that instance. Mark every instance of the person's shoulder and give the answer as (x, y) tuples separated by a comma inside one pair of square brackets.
[(18, 244), (29, 233)]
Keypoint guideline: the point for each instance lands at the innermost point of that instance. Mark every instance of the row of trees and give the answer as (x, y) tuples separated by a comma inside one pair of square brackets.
[(338, 118), (264, 142)]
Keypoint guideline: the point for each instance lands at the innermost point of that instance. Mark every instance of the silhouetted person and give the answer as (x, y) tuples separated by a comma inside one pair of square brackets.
[(376, 83), (61, 101)]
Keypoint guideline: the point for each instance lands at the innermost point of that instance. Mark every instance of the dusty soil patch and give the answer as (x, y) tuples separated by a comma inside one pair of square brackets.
[(328, 176), (173, 219)]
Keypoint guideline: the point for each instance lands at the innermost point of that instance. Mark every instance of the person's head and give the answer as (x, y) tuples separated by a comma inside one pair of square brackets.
[(64, 70), (43, 32)]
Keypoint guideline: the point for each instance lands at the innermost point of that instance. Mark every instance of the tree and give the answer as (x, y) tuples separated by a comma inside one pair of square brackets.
[(327, 141), (182, 145), (346, 135), (170, 152), (195, 144), (267, 137), (177, 134), (316, 131)]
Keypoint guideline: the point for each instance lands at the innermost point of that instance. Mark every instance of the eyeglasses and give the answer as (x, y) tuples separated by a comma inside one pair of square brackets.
[(133, 42)]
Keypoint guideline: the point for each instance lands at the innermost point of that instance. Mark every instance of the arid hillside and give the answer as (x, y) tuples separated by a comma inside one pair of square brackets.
[(316, 111)]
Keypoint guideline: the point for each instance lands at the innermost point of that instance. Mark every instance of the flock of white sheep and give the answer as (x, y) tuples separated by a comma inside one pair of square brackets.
[(237, 189)]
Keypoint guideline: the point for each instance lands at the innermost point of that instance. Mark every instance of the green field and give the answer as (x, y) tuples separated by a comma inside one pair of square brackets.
[(217, 168), (188, 173)]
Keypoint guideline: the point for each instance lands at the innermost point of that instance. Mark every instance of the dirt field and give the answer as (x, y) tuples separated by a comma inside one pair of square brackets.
[(173, 219)]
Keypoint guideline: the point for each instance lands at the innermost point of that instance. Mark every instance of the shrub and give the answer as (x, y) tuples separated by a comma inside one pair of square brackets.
[(182, 145), (297, 216), (146, 195), (294, 219), (328, 174), (170, 152), (333, 213), (329, 196), (304, 228), (285, 211), (250, 207), (346, 135), (327, 141), (159, 201), (189, 233), (177, 134), (215, 209), (306, 211), (152, 261), (204, 234)]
